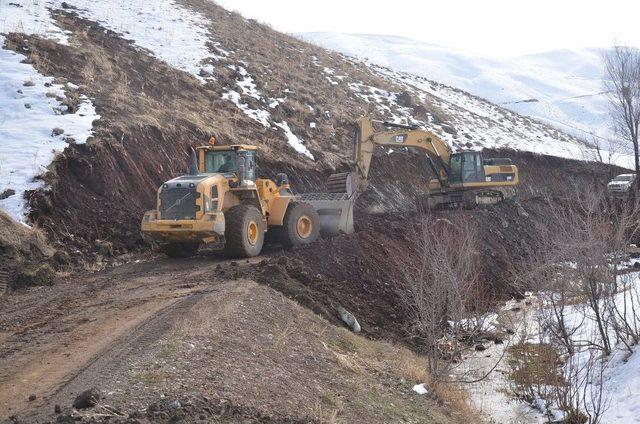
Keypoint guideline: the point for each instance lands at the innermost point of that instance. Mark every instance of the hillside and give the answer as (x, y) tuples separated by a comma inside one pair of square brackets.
[(101, 102), (232, 77), (562, 87)]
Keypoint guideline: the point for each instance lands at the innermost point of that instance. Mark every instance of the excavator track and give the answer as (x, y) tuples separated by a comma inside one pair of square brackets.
[(465, 199)]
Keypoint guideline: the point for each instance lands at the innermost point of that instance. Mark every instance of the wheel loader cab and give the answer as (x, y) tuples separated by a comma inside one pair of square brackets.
[(229, 160), (466, 167)]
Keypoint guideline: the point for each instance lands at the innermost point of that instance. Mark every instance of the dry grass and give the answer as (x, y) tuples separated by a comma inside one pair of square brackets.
[(380, 356), (18, 236)]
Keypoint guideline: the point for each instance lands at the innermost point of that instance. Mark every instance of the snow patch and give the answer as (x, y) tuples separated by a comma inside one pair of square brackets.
[(31, 121), (30, 17), (294, 141), (258, 115), (420, 389), (173, 33)]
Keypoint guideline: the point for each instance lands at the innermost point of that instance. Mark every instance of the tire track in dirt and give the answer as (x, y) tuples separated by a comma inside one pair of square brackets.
[(114, 355)]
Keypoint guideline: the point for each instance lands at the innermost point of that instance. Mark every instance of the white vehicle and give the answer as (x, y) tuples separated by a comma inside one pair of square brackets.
[(621, 184)]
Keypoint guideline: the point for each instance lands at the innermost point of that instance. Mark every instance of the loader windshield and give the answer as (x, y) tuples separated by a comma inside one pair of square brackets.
[(222, 162)]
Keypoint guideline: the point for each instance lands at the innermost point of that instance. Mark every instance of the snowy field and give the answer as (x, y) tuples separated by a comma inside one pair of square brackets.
[(30, 108), (620, 371), (34, 124)]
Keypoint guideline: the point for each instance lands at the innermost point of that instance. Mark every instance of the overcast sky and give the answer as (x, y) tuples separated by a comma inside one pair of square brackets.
[(485, 27)]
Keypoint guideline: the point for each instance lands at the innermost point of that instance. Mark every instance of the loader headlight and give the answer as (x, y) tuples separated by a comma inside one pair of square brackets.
[(165, 185), (192, 185)]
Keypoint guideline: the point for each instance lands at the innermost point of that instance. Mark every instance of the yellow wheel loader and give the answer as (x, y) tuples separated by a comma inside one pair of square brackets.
[(221, 201)]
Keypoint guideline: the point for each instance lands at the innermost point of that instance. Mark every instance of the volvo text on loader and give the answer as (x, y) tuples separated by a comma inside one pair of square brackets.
[(221, 201)]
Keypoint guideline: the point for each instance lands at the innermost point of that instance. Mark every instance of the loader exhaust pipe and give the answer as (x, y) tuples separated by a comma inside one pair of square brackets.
[(193, 162)]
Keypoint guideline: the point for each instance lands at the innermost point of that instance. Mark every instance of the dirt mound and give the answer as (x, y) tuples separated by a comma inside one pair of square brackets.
[(26, 258)]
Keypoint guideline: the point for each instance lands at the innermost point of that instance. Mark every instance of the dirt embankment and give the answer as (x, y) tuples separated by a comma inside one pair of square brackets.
[(362, 271), (26, 257)]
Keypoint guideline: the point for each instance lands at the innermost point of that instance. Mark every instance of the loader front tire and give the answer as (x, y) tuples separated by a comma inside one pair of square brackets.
[(244, 231), (180, 250), (301, 225)]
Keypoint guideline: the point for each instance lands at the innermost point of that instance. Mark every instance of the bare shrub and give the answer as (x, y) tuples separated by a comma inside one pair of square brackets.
[(589, 303), (440, 288)]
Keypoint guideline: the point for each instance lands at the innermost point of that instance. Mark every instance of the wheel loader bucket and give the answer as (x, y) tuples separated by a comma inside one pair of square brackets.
[(335, 207)]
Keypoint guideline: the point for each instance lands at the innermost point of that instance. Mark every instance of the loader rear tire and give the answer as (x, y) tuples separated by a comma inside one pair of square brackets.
[(180, 250), (244, 231), (301, 225)]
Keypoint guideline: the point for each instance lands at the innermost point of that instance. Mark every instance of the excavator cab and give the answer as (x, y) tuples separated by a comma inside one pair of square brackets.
[(466, 167)]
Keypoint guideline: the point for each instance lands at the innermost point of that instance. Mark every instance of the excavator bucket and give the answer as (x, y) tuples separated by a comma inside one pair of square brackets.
[(335, 206)]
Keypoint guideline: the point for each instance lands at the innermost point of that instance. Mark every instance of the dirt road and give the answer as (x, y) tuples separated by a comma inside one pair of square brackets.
[(49, 335)]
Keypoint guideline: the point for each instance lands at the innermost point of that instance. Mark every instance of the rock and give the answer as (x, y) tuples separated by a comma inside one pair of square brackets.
[(61, 258), (105, 248), (57, 131), (497, 340), (480, 347), (173, 405), (7, 193), (29, 83), (32, 397), (87, 399), (348, 318), (57, 409)]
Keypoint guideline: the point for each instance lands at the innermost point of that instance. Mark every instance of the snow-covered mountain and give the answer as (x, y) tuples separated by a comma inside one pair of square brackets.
[(561, 87)]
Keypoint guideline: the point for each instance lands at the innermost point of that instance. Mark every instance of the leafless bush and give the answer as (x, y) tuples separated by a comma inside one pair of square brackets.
[(440, 288), (582, 398), (589, 302)]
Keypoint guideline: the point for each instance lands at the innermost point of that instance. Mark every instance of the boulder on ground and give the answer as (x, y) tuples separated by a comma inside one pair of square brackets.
[(87, 399)]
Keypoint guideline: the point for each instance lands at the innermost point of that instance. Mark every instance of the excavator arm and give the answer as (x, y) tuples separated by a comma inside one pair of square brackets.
[(368, 139)]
